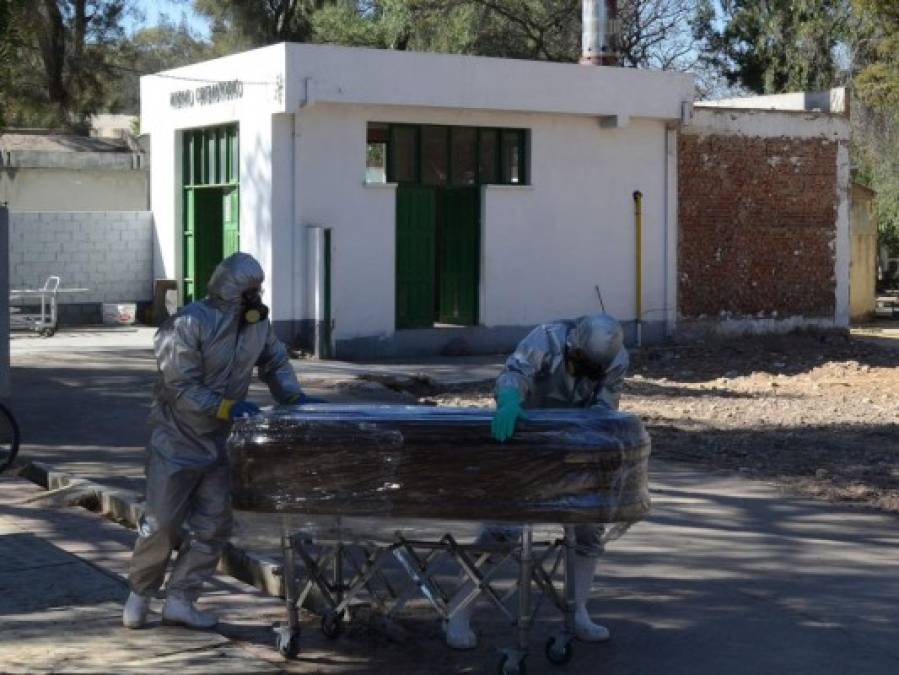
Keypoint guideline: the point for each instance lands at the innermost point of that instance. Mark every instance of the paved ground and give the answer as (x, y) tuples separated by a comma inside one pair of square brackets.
[(61, 594), (728, 575)]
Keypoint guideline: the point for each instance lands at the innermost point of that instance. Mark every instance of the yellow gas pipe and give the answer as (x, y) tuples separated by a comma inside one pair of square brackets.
[(638, 223)]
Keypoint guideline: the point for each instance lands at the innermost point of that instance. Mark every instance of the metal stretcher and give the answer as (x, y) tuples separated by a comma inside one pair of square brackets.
[(44, 321), (336, 465)]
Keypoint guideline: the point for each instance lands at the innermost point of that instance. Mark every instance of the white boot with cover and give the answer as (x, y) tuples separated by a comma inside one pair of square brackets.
[(584, 628), (181, 612), (134, 615)]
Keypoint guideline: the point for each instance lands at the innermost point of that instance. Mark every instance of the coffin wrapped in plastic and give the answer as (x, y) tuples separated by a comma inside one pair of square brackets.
[(561, 466)]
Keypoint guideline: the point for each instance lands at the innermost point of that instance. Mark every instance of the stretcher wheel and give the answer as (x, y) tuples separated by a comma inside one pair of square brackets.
[(558, 651), (332, 625), (506, 667), (288, 644), (48, 332)]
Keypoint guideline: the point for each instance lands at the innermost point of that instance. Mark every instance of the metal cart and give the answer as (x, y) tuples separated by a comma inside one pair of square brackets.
[(44, 321)]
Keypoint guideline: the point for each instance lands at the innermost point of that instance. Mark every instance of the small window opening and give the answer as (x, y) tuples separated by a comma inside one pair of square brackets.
[(446, 155), (376, 153)]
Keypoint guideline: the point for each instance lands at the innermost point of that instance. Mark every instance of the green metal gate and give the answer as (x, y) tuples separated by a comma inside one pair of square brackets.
[(210, 222)]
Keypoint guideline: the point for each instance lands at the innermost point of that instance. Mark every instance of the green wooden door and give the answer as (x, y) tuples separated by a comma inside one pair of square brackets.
[(459, 257), (208, 236), (230, 223), (189, 230), (211, 224), (415, 253)]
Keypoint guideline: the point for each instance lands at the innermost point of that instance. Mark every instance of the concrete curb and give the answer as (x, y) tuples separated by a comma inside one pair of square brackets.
[(124, 507)]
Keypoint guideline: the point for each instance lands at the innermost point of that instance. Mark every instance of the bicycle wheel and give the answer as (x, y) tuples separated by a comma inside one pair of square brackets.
[(9, 438)]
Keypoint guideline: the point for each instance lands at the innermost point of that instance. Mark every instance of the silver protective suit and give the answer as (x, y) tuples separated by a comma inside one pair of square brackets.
[(205, 354), (537, 369)]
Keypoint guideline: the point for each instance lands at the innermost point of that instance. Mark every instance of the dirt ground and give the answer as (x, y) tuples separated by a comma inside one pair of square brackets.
[(816, 413)]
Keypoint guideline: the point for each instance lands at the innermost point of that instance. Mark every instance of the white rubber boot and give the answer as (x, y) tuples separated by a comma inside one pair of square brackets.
[(180, 612), (459, 634), (584, 628), (134, 615)]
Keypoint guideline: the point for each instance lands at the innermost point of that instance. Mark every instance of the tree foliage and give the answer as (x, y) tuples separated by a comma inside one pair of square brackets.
[(772, 46), (59, 60), (654, 33), (164, 46), (393, 24), (878, 81), (10, 41), (261, 22), (875, 114)]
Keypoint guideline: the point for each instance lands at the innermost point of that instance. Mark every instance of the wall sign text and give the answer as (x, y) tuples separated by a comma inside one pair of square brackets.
[(207, 94)]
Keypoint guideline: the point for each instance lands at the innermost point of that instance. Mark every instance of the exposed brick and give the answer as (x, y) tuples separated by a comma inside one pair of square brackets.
[(756, 221)]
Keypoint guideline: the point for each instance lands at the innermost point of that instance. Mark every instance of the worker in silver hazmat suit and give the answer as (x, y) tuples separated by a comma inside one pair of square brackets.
[(565, 364), (206, 354)]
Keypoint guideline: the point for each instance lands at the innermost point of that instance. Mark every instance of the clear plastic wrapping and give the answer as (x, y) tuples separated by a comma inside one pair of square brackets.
[(561, 466)]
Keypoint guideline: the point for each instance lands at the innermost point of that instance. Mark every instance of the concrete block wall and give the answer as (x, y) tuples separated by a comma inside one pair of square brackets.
[(110, 253)]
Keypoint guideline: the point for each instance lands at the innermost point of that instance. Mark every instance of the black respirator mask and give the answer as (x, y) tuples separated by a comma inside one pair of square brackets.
[(579, 364), (252, 309)]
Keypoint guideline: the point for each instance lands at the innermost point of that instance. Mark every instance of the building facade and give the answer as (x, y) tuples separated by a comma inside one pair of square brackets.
[(419, 203), (764, 215)]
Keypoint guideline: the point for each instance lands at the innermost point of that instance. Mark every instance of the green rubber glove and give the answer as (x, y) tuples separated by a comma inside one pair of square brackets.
[(508, 410)]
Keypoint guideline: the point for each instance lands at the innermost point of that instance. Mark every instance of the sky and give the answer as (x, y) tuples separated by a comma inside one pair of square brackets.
[(152, 10)]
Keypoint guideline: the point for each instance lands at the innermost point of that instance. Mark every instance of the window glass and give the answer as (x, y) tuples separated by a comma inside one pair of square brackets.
[(512, 159), (464, 145), (376, 153), (404, 155), (210, 157), (442, 155), (487, 160), (434, 159), (198, 145)]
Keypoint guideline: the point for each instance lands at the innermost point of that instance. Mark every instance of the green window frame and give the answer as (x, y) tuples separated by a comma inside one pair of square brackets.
[(507, 143), (209, 156)]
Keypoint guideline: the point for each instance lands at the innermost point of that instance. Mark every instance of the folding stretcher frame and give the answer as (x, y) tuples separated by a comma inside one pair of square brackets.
[(345, 573)]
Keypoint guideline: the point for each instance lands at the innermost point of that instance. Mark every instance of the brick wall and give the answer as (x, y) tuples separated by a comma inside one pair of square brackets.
[(757, 225), (110, 253)]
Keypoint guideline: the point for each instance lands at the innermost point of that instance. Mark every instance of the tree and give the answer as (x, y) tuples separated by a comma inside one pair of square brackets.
[(878, 53), (60, 63), (254, 23), (772, 46), (547, 30), (653, 33), (150, 50), (875, 118), (394, 24), (658, 33), (10, 41)]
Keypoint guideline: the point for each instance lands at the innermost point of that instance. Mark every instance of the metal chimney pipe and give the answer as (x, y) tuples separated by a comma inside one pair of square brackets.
[(593, 36)]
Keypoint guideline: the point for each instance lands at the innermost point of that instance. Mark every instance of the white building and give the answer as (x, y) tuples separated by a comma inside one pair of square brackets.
[(419, 203)]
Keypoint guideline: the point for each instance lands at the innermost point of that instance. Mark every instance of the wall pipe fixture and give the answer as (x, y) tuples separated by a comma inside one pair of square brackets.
[(638, 276)]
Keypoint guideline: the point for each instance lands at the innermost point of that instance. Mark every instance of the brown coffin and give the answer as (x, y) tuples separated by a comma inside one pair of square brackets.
[(561, 466)]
